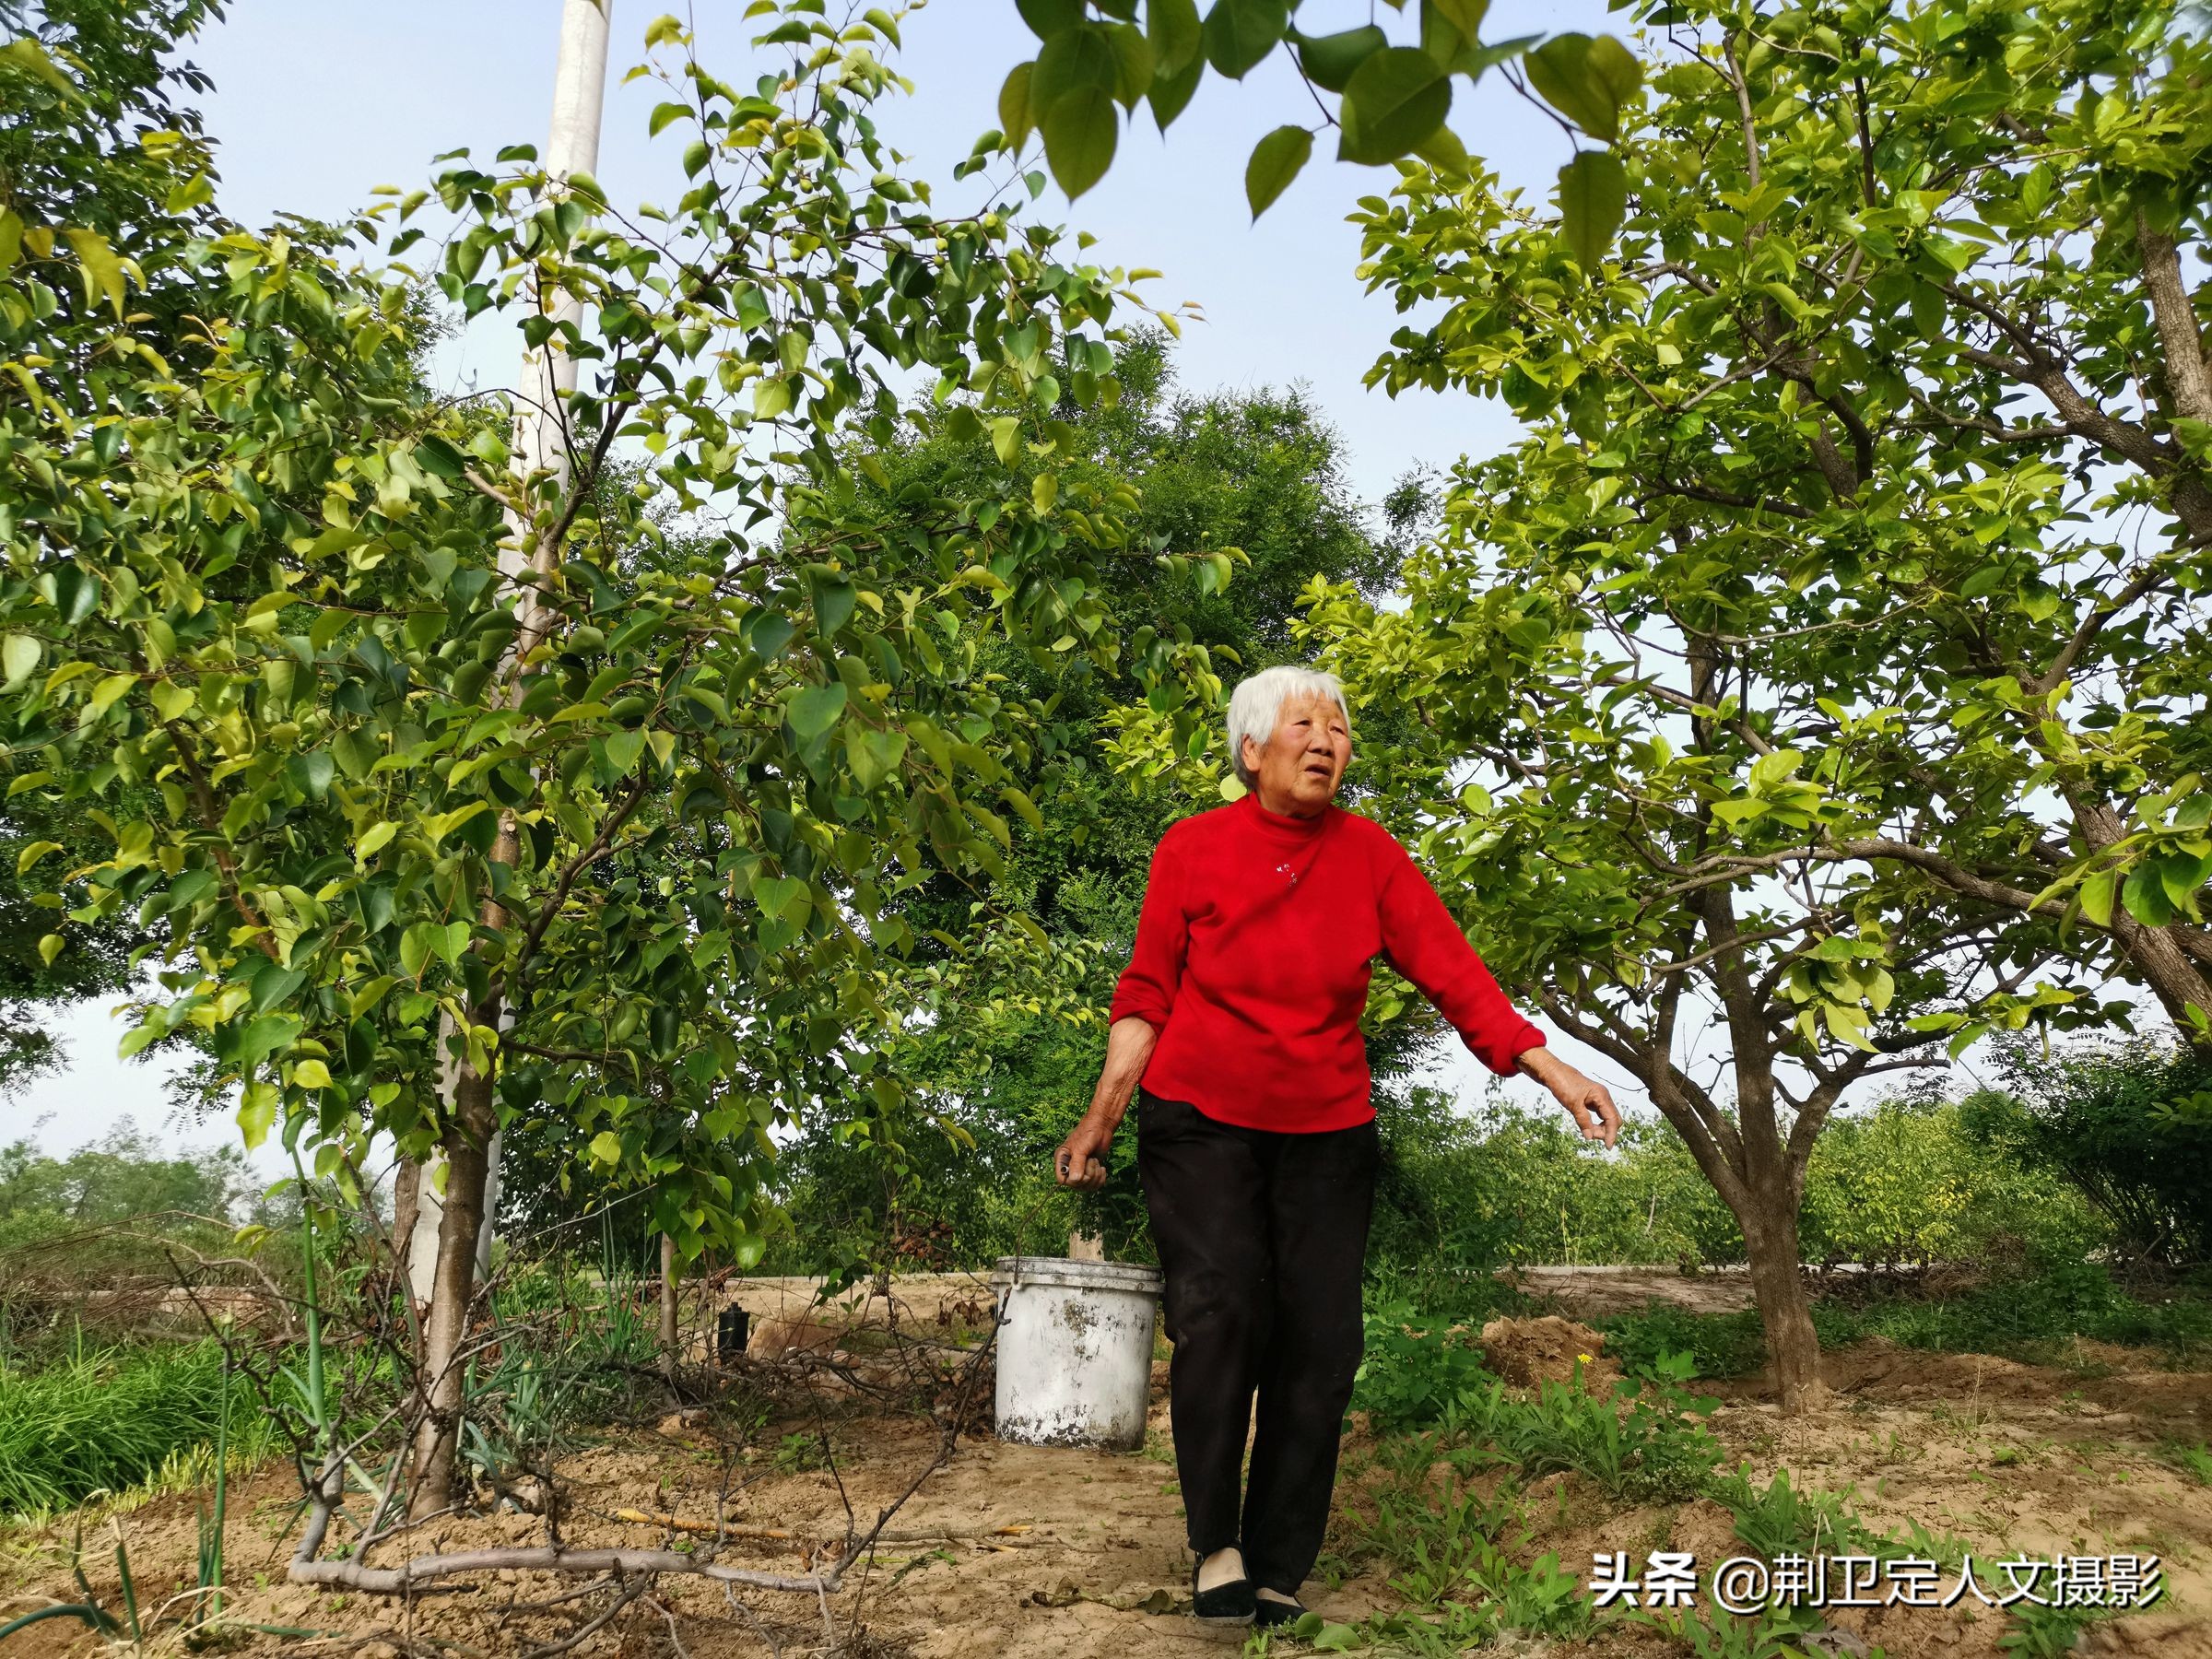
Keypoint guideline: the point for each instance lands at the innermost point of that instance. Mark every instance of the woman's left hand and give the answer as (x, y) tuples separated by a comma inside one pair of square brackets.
[(1588, 1102)]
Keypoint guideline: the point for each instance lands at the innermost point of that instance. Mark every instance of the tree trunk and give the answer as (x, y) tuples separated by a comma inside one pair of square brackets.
[(668, 1307), (453, 1292), (1785, 1313), (2184, 990), (540, 458), (2157, 953), (407, 1192)]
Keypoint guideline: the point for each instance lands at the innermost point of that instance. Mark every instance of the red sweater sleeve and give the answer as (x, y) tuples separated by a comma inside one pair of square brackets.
[(1147, 985), (1426, 946)]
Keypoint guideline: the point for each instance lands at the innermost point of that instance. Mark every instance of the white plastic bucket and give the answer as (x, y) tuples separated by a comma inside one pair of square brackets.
[(1074, 1351)]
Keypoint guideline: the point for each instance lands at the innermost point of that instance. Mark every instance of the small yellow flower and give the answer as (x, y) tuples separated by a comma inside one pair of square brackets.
[(1585, 1360)]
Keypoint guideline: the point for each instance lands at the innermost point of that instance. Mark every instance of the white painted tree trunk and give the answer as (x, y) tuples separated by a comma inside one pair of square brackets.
[(541, 453)]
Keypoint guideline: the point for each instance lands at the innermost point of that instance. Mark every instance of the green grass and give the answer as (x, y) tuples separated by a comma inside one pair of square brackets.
[(2032, 1318), (113, 1420)]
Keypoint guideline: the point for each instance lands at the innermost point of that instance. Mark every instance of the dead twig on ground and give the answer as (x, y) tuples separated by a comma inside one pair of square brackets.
[(907, 1534)]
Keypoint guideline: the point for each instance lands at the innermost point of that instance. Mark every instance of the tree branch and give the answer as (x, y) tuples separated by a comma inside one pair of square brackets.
[(2188, 378)]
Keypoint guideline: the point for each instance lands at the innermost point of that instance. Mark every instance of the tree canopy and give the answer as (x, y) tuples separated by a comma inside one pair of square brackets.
[(1812, 678), (616, 824), (1898, 379)]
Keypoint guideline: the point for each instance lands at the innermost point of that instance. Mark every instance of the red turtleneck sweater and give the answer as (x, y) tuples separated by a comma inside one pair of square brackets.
[(1253, 956)]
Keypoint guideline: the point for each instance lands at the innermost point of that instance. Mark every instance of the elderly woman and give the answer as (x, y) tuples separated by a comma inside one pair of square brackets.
[(1236, 1026)]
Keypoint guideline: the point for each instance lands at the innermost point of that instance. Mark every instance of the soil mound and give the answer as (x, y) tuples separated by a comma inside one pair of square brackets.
[(1534, 1351)]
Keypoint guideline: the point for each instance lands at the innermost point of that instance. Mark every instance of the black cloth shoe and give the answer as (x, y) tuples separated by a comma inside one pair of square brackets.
[(1224, 1604), (1267, 1615)]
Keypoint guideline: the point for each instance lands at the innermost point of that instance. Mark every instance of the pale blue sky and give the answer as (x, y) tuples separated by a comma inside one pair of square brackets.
[(316, 103)]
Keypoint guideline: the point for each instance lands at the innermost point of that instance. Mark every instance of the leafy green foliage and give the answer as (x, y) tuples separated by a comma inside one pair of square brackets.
[(110, 1421), (2128, 1126), (614, 825), (1751, 669), (1004, 1042), (1420, 1373), (1786, 434), (1275, 163), (1388, 100), (2035, 1316), (72, 160), (1790, 1520)]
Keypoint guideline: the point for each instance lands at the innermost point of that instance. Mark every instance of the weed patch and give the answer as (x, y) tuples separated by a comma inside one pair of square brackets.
[(111, 1420)]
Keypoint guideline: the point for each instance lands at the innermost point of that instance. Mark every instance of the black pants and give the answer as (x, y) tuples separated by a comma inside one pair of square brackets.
[(1261, 1237)]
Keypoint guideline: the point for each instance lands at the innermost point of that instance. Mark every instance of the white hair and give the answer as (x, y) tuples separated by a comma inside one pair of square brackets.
[(1253, 705)]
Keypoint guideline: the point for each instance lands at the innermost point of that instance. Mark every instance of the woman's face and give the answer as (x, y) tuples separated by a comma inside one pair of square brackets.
[(1303, 760)]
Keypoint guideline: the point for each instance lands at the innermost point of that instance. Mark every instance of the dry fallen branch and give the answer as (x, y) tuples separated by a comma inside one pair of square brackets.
[(424, 1568), (906, 1535)]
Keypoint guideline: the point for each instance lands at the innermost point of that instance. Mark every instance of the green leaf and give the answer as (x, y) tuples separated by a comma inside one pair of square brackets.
[(1171, 94), (1445, 154), (31, 854), (816, 710), (440, 825), (607, 1148), (275, 985), (1080, 132), (834, 597), (1049, 18), (452, 940), (414, 948), (103, 271), (19, 656), (312, 772), (1594, 197), (623, 749), (777, 894), (1586, 80), (2097, 894), (24, 52), (1045, 489), (1397, 99), (264, 1037), (1331, 60), (1072, 61), (1176, 34), (50, 947), (1465, 16), (1276, 161), (1014, 115), (1240, 33), (1132, 62), (105, 694), (2145, 896), (311, 1073), (873, 755), (75, 593), (378, 837), (256, 1113), (1005, 438)]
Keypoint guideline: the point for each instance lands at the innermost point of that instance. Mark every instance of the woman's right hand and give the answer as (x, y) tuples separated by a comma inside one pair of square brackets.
[(1081, 1159)]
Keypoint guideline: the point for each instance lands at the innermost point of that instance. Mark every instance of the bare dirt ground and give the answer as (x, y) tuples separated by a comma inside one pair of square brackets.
[(1593, 1292), (2009, 1458)]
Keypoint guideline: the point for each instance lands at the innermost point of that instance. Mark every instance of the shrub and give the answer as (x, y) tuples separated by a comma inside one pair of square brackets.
[(108, 1421), (1907, 1185), (2128, 1124)]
